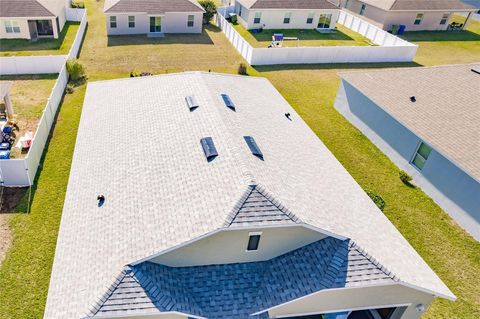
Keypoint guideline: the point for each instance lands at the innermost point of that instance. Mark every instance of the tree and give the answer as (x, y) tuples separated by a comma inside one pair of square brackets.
[(210, 10), (76, 70)]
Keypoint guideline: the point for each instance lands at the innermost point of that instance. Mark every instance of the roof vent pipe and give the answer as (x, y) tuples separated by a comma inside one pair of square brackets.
[(101, 200), (413, 98), (287, 115)]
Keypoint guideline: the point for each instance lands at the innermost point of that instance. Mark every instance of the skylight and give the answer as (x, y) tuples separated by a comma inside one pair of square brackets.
[(209, 148), (253, 146), (228, 102)]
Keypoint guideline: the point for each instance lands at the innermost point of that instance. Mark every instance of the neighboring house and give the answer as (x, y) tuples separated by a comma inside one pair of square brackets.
[(153, 17), (416, 15), (227, 205), (427, 121), (31, 19), (287, 14)]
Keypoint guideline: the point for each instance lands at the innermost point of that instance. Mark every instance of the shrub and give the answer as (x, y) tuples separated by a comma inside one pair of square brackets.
[(70, 88), (78, 4), (210, 10), (405, 178), (242, 69), (76, 70), (134, 73), (377, 199)]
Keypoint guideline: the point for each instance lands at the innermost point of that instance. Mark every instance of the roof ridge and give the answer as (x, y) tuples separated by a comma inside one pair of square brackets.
[(53, 14), (373, 260)]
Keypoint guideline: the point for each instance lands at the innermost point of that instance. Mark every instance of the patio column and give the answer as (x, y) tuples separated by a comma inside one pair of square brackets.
[(9, 106), (467, 20)]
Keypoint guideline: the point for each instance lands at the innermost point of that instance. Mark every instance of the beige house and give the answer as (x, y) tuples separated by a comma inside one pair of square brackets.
[(231, 207), (420, 15), (31, 19), (289, 14), (153, 17)]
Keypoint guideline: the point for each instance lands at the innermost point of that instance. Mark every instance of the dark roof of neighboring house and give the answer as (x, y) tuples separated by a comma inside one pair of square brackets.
[(289, 4), (402, 5), (23, 8), (152, 6), (241, 290)]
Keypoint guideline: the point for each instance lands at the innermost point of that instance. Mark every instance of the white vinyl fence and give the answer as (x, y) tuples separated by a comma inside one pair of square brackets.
[(45, 64), (21, 172), (389, 48)]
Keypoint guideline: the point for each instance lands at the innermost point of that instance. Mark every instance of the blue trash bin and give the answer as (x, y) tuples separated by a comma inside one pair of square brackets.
[(401, 29), (4, 154)]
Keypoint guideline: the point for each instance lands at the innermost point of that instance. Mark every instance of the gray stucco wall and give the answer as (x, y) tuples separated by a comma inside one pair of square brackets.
[(447, 184)]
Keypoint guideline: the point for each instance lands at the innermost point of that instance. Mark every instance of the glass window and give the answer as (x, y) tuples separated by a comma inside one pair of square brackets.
[(421, 156), (445, 18), (253, 242), (286, 19), (131, 21), (324, 21), (113, 21), (191, 20), (418, 18), (11, 27), (155, 24), (258, 17), (362, 9), (310, 18)]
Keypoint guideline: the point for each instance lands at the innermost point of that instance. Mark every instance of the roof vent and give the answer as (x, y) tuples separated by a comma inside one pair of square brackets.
[(287, 115), (191, 102), (228, 102), (101, 200), (209, 148), (413, 99), (253, 146), (476, 70)]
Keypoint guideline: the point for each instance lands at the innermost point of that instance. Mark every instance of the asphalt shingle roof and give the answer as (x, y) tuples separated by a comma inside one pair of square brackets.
[(446, 113), (288, 4), (24, 8), (151, 6), (242, 289), (160, 190), (399, 5)]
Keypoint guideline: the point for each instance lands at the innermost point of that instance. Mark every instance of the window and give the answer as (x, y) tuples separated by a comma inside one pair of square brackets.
[(131, 21), (191, 20), (418, 19), (258, 17), (253, 241), (445, 18), (155, 24), (286, 19), (12, 27), (240, 10), (421, 155), (362, 9), (113, 22), (324, 21), (310, 18)]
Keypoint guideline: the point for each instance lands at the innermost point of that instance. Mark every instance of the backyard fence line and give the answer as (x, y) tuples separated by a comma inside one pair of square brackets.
[(46, 64), (389, 48), (21, 172)]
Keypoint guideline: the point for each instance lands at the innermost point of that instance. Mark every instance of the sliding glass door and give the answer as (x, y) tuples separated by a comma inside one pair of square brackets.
[(155, 24), (324, 21)]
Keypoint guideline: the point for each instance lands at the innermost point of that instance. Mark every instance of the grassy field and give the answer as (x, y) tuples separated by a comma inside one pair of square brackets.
[(453, 255), (29, 96), (307, 38), (50, 46)]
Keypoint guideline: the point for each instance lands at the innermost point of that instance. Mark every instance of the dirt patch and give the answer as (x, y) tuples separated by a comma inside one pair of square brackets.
[(5, 236)]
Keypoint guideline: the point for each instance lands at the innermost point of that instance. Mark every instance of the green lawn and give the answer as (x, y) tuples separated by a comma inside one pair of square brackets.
[(29, 104), (50, 46), (311, 89), (307, 38)]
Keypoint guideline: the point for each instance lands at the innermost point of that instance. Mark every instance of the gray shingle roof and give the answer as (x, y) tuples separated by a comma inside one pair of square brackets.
[(152, 6), (258, 207), (288, 4), (399, 5), (161, 191), (445, 115), (242, 289), (23, 8)]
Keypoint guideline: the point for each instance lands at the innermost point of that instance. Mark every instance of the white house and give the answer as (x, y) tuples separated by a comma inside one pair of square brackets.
[(153, 17), (427, 121), (420, 15), (288, 14), (228, 206), (31, 19)]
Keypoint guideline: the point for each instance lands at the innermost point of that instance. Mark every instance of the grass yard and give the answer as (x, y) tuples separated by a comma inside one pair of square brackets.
[(50, 46), (307, 38), (29, 96), (311, 89), (447, 47)]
